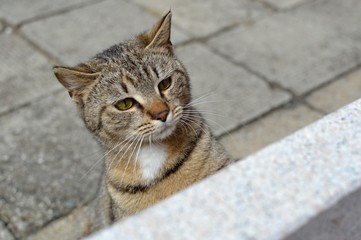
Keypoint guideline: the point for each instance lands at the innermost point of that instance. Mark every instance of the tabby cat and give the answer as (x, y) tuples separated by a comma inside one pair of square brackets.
[(135, 98)]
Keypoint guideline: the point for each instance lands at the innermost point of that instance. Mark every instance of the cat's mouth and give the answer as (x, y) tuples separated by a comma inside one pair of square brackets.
[(164, 132), (165, 129)]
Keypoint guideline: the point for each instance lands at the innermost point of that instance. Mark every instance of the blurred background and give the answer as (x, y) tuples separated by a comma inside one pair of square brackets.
[(262, 68)]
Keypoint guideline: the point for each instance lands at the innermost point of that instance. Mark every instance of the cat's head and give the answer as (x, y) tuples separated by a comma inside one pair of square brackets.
[(131, 90)]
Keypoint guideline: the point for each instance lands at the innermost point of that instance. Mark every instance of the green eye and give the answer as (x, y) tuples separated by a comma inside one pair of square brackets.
[(125, 104), (165, 84)]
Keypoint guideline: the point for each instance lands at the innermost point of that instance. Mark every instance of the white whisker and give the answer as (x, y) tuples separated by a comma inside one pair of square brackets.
[(188, 125), (125, 144), (125, 152), (99, 160), (206, 112), (194, 121), (136, 157), (218, 124), (183, 126), (207, 95), (130, 157), (205, 102)]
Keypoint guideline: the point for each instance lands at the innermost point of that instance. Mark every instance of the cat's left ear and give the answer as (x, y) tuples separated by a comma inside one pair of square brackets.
[(159, 34)]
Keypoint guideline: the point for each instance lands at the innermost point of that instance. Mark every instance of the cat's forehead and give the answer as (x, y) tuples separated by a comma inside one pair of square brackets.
[(129, 65), (140, 64), (146, 58), (131, 53)]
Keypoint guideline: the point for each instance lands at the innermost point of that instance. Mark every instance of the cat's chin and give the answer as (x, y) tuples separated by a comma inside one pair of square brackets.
[(165, 132)]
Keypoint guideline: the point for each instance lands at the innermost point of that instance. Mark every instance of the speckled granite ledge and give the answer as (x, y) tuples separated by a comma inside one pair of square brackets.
[(268, 195)]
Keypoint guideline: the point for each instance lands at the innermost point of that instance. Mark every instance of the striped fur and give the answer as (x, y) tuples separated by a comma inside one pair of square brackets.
[(187, 151)]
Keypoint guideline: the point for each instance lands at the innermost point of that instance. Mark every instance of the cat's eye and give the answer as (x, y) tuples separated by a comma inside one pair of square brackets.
[(125, 104), (165, 84)]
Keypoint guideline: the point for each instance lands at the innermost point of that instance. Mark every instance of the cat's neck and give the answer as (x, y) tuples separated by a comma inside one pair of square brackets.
[(143, 161)]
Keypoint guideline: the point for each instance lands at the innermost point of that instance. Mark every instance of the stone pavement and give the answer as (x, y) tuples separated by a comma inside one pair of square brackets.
[(267, 67)]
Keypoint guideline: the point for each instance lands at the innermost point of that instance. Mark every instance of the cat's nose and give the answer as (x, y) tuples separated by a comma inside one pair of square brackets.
[(162, 116), (159, 111)]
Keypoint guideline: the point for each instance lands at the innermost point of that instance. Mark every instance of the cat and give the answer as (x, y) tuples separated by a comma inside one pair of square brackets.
[(135, 98)]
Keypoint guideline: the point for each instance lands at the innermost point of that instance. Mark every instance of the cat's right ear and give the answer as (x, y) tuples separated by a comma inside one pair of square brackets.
[(75, 80), (159, 35)]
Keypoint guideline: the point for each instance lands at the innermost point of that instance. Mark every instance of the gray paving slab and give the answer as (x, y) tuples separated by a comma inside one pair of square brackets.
[(201, 18), (342, 15), (285, 4), (25, 74), (228, 95), (268, 129), (299, 49), (75, 36), (45, 152), (338, 93), (22, 10), (69, 227), (4, 232)]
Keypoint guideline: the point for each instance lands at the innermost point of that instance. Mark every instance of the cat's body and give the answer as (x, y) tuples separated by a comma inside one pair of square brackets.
[(135, 98)]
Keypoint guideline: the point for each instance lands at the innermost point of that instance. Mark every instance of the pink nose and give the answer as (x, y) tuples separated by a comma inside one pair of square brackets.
[(162, 116)]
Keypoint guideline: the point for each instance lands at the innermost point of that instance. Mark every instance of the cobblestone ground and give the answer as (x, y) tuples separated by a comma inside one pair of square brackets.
[(268, 68)]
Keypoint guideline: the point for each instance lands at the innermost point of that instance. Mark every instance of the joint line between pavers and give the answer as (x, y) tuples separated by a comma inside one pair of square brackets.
[(286, 9), (316, 109), (29, 103), (6, 26), (301, 4), (294, 100), (204, 39), (333, 79), (268, 5), (260, 116), (52, 59), (62, 216), (10, 231), (271, 84), (58, 12), (49, 222)]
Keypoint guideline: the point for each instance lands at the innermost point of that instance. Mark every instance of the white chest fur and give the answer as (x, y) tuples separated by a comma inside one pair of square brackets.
[(151, 159)]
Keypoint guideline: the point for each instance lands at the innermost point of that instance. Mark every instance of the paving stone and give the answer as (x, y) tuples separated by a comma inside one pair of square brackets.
[(342, 15), (201, 18), (4, 232), (267, 130), (337, 94), (25, 74), (21, 10), (69, 227), (300, 49), (229, 95), (75, 36), (46, 155), (284, 4)]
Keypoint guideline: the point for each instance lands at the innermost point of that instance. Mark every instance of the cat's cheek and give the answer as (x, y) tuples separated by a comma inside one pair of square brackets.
[(184, 100), (176, 102)]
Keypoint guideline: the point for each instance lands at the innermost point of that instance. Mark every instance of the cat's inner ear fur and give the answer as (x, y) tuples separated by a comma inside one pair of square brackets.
[(75, 79), (159, 34)]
